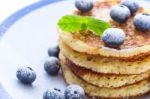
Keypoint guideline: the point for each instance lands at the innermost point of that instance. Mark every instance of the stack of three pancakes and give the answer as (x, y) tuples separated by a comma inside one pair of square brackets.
[(102, 71)]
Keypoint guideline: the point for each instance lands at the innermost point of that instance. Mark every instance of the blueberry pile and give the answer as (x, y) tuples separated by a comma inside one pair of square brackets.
[(71, 92), (52, 66), (120, 13), (27, 75), (114, 37)]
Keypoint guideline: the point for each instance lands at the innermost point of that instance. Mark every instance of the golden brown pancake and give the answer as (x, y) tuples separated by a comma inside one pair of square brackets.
[(137, 44), (102, 92), (106, 80), (103, 80), (103, 64)]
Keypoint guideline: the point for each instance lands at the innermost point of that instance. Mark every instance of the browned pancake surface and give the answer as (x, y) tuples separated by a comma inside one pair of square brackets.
[(134, 38)]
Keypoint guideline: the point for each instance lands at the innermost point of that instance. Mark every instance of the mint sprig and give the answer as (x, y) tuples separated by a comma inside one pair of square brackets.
[(75, 23)]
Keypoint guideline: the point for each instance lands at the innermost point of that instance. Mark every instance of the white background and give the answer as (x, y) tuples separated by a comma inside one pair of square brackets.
[(8, 7)]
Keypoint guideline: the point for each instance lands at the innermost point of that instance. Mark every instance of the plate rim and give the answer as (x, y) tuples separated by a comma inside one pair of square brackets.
[(10, 20)]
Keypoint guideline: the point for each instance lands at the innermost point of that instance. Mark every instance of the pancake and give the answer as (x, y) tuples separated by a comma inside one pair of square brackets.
[(104, 80), (98, 92), (105, 65), (137, 44)]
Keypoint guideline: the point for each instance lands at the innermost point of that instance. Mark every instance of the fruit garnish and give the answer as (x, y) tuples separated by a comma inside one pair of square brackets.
[(75, 23), (53, 94), (74, 92), (52, 65), (26, 75), (142, 21), (133, 5), (53, 51), (84, 5), (120, 13), (113, 37)]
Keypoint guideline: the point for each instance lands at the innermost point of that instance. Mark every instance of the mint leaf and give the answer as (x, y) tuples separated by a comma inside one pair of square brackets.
[(75, 23), (97, 26), (71, 23), (83, 27)]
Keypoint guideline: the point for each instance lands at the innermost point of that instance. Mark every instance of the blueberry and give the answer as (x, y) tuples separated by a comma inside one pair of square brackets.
[(52, 66), (120, 13), (74, 92), (26, 75), (133, 5), (53, 94), (84, 5), (113, 37), (53, 51), (142, 21)]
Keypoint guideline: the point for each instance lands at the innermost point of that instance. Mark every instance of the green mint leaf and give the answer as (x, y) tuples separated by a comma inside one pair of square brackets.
[(71, 23), (75, 23), (97, 26), (83, 27)]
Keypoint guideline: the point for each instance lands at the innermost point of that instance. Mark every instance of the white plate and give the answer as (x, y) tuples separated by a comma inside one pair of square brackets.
[(25, 43)]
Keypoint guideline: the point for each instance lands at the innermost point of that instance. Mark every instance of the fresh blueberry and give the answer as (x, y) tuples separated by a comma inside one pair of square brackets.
[(142, 21), (113, 37), (26, 75), (53, 51), (120, 13), (74, 92), (84, 5), (133, 5), (53, 94), (52, 66)]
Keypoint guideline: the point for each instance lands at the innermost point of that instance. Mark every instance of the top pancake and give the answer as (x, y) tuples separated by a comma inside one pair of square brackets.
[(136, 43), (105, 65)]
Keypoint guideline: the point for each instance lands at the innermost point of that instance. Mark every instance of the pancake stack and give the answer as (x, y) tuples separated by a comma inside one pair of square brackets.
[(102, 71)]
